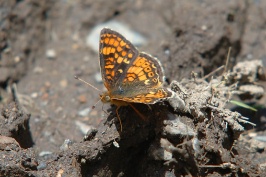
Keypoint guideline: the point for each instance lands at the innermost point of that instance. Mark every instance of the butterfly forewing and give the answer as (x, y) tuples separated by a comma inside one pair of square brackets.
[(116, 55)]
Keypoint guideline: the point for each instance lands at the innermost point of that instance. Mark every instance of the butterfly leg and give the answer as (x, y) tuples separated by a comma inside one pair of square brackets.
[(118, 117), (104, 111), (141, 115)]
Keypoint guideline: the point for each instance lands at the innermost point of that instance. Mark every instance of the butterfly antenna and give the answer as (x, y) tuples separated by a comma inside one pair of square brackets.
[(95, 104), (76, 77)]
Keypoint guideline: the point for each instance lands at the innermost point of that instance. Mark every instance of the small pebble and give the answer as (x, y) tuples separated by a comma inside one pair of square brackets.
[(116, 144), (60, 173), (65, 146), (34, 95), (167, 51), (45, 153), (63, 83), (84, 128), (7, 50), (84, 112), (41, 166), (45, 96), (17, 59), (82, 99), (59, 109), (51, 54), (204, 28), (94, 113), (252, 134), (7, 141), (83, 161), (90, 134), (75, 46), (38, 70), (196, 145), (47, 84)]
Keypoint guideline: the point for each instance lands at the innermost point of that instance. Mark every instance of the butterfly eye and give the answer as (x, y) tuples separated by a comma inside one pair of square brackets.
[(107, 98)]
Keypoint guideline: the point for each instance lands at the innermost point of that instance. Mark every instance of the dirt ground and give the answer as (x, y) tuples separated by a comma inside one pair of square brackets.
[(49, 129)]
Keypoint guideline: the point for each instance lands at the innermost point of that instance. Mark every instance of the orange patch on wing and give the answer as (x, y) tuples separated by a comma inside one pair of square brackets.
[(111, 41), (146, 64), (122, 43), (109, 66), (131, 75), (119, 49), (150, 74), (130, 79), (150, 94), (113, 73), (139, 62), (116, 55), (130, 55), (112, 50), (111, 59), (147, 100), (106, 40), (130, 69), (147, 69), (116, 43), (142, 78), (119, 60), (108, 71), (124, 53), (109, 50), (108, 63), (141, 73), (137, 70), (105, 50)]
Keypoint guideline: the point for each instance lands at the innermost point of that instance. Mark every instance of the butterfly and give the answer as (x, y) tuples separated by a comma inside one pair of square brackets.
[(129, 76)]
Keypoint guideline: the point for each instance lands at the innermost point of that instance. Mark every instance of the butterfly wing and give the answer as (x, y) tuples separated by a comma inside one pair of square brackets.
[(142, 82), (149, 97), (128, 75), (116, 55)]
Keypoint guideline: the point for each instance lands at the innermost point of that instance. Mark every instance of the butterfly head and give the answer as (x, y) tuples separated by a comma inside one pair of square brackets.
[(105, 98)]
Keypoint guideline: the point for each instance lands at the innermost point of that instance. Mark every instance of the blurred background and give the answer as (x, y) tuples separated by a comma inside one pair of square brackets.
[(44, 44)]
